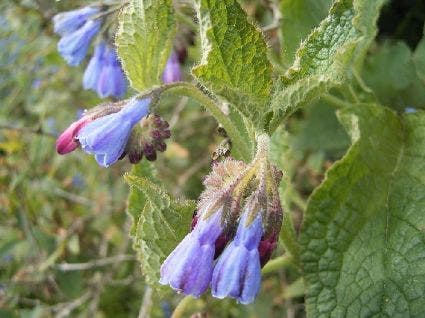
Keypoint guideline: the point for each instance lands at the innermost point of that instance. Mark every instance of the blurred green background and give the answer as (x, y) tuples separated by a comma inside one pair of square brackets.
[(64, 244)]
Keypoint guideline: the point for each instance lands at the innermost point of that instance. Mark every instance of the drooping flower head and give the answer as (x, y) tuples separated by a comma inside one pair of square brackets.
[(172, 72), (237, 273), (251, 217), (108, 132), (93, 69), (67, 141), (190, 266), (73, 46), (107, 136), (104, 73), (70, 21)]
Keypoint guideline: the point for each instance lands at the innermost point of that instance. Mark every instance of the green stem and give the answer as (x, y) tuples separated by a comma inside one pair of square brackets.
[(182, 306), (195, 93), (335, 101), (277, 264)]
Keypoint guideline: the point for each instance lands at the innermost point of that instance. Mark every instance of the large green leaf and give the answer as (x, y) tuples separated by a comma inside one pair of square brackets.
[(144, 38), (299, 17), (323, 59), (394, 75), (363, 239), (234, 60), (159, 223)]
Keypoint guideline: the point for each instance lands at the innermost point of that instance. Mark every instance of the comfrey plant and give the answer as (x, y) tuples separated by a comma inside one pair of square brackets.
[(240, 205), (358, 251)]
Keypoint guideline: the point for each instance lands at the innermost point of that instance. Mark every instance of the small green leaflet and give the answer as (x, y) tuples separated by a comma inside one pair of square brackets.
[(159, 223), (363, 237), (323, 59), (234, 61), (144, 38)]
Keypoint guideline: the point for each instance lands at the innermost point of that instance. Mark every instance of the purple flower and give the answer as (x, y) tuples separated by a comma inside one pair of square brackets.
[(73, 46), (111, 80), (92, 72), (172, 72), (237, 273), (189, 267), (107, 136), (104, 73), (70, 21)]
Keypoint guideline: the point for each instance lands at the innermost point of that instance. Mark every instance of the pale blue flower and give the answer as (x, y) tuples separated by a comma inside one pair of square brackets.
[(70, 21), (73, 46), (237, 273), (107, 136)]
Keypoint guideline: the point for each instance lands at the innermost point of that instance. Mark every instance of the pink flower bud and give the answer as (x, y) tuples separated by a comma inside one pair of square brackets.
[(67, 141)]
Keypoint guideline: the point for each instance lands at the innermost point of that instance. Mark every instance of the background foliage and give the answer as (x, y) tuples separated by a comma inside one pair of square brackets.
[(330, 80)]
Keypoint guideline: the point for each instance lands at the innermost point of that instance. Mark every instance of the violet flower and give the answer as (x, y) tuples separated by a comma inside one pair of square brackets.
[(172, 72), (111, 81), (70, 21), (106, 137), (73, 46), (104, 73), (237, 273), (189, 267), (92, 72)]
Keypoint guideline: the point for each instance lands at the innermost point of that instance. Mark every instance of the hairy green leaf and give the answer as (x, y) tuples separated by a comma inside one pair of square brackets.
[(363, 239), (159, 223), (144, 38), (234, 63), (299, 17), (323, 59)]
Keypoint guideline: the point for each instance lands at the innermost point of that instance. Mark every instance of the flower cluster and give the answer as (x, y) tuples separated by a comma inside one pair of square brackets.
[(104, 73), (234, 233), (77, 29), (105, 132)]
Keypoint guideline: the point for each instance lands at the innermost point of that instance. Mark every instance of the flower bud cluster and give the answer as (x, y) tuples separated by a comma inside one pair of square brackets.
[(147, 138), (235, 232)]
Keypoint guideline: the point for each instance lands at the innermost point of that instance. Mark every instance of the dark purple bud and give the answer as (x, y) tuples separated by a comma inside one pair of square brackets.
[(266, 248), (135, 156), (166, 134), (161, 146), (156, 134)]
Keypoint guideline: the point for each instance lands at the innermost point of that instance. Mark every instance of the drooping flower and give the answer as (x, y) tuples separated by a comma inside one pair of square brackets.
[(111, 80), (172, 72), (70, 21), (237, 273), (189, 267), (67, 141), (73, 46), (106, 137), (104, 73), (92, 72)]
